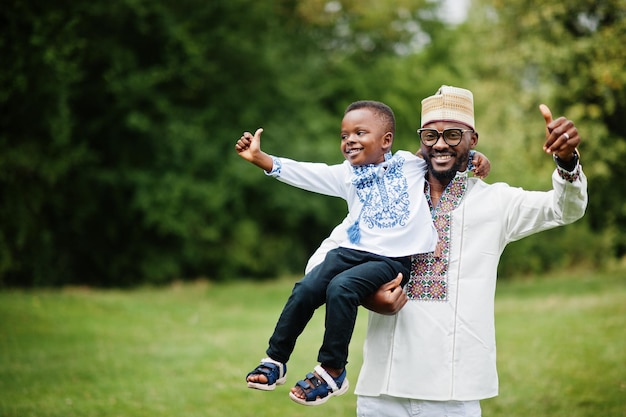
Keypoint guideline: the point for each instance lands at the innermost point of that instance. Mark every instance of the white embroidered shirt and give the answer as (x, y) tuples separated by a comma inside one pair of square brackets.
[(386, 200)]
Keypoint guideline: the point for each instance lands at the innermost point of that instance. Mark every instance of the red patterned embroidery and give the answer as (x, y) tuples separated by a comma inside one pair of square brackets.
[(429, 273), (569, 176)]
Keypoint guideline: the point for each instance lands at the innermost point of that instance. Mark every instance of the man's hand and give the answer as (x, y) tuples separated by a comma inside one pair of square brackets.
[(389, 298), (561, 135)]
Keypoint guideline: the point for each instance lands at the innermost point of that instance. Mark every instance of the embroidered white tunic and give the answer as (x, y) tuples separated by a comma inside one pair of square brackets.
[(387, 200), (441, 345)]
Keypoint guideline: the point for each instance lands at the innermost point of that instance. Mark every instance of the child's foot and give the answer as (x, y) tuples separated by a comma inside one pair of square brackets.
[(267, 375), (318, 387)]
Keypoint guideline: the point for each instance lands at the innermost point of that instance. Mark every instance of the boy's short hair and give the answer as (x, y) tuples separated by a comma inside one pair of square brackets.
[(381, 109)]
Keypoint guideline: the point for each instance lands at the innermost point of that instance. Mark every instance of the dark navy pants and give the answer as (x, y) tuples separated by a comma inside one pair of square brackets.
[(341, 281)]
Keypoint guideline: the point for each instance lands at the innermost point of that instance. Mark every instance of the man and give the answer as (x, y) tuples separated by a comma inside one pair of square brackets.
[(437, 354)]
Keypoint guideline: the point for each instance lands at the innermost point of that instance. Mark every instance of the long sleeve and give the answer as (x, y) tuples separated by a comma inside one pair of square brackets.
[(332, 180), (530, 212)]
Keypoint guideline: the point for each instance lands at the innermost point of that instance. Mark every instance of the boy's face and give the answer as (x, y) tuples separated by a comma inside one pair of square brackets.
[(364, 139)]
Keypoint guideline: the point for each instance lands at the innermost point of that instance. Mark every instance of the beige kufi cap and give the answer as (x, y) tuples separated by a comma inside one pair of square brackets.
[(450, 104)]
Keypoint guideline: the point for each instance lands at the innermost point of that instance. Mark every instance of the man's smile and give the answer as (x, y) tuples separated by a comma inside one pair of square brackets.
[(441, 158)]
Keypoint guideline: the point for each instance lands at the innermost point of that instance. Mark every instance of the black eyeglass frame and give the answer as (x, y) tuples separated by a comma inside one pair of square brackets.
[(442, 134)]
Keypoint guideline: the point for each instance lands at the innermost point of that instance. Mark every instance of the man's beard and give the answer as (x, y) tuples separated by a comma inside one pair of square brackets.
[(448, 174)]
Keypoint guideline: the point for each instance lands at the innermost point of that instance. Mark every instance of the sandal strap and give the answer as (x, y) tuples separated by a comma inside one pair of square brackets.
[(310, 381), (281, 366), (330, 381), (273, 370), (313, 387)]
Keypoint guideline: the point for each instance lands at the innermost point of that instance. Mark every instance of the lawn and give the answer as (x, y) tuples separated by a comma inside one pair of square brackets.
[(184, 350)]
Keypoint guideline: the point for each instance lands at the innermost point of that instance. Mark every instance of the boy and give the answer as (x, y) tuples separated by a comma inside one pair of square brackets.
[(390, 222)]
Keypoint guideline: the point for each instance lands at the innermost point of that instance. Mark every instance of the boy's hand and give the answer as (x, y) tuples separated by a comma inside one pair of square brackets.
[(249, 148), (482, 166)]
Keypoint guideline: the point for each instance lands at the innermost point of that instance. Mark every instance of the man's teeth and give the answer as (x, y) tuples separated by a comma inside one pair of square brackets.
[(442, 157)]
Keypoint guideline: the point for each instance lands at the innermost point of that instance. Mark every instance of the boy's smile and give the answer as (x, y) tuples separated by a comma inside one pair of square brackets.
[(364, 139)]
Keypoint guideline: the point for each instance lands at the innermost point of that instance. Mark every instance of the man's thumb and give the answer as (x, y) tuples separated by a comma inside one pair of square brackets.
[(546, 113), (257, 134)]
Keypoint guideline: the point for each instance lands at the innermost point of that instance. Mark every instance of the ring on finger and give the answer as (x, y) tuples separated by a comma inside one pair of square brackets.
[(566, 136)]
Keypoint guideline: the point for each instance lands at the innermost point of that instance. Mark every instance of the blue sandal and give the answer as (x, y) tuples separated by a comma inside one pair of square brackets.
[(273, 370), (318, 391)]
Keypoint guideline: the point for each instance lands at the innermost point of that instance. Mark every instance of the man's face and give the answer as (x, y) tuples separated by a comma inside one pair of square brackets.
[(443, 160)]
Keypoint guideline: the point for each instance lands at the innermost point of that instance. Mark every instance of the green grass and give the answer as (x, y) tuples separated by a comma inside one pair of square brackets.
[(184, 351)]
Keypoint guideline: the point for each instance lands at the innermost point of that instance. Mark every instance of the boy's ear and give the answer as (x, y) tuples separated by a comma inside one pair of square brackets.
[(387, 141)]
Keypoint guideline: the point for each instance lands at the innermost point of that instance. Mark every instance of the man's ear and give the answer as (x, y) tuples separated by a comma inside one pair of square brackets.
[(474, 140)]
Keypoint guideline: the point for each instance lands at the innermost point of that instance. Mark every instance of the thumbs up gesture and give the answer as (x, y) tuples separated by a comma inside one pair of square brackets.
[(561, 135), (249, 148)]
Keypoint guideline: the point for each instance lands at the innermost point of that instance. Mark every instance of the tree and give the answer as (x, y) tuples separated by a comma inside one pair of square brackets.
[(117, 164), (569, 55), (116, 144)]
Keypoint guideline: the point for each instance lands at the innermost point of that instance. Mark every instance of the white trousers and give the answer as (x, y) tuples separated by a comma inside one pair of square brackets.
[(386, 406)]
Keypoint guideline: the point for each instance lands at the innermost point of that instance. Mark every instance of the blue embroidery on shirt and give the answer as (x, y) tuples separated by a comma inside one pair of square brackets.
[(470, 164), (277, 167), (383, 190)]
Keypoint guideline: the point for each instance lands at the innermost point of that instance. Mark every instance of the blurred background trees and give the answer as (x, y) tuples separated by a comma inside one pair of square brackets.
[(118, 122)]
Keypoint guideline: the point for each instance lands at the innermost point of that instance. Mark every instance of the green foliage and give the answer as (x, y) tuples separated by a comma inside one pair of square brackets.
[(116, 140), (118, 164), (569, 55)]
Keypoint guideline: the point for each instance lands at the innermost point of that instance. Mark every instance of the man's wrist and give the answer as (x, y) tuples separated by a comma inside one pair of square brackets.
[(570, 165), (568, 170)]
